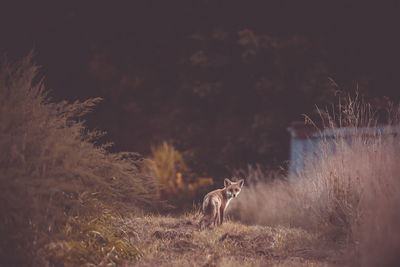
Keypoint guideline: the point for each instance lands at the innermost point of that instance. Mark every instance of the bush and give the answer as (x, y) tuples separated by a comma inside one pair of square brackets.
[(169, 167), (51, 170), (180, 186)]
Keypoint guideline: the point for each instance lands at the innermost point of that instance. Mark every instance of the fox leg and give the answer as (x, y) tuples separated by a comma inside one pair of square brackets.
[(207, 220), (204, 222), (217, 216), (215, 208), (221, 216), (210, 214)]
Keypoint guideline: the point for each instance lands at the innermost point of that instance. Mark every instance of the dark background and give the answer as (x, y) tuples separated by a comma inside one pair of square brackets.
[(220, 80)]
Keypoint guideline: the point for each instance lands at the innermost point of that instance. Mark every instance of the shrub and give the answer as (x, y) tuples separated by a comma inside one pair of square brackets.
[(169, 167), (180, 186), (50, 168)]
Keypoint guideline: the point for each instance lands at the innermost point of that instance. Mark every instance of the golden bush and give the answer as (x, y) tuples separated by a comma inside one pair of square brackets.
[(180, 185)]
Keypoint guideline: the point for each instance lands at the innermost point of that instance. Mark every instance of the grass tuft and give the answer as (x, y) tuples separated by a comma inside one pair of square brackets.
[(98, 240)]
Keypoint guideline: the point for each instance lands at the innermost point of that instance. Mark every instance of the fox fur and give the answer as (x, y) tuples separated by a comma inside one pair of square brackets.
[(216, 202)]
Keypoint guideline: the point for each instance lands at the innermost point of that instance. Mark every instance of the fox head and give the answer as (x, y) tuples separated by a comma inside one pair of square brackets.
[(233, 188)]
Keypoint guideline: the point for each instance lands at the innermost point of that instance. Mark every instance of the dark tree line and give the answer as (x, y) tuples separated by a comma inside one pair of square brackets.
[(220, 80)]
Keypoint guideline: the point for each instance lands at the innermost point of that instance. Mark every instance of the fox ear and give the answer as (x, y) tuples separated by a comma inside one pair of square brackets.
[(227, 182), (241, 183)]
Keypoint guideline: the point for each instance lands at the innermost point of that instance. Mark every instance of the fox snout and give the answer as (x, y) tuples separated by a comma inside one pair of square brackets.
[(232, 194)]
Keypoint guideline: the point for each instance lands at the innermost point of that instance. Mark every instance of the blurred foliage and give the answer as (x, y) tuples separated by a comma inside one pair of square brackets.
[(168, 166), (226, 101), (222, 89), (179, 184)]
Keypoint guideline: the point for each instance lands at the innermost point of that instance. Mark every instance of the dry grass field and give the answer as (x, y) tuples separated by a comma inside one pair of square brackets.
[(177, 241)]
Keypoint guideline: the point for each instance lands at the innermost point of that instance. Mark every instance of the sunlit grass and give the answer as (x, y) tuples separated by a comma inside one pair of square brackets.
[(177, 241), (94, 239)]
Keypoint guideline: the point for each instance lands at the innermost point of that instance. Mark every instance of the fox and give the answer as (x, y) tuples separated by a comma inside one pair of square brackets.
[(216, 202)]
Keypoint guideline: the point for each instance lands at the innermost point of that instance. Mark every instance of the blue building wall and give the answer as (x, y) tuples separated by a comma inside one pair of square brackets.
[(306, 142)]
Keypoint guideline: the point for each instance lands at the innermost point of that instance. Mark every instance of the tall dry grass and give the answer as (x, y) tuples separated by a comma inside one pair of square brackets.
[(349, 194), (51, 171)]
